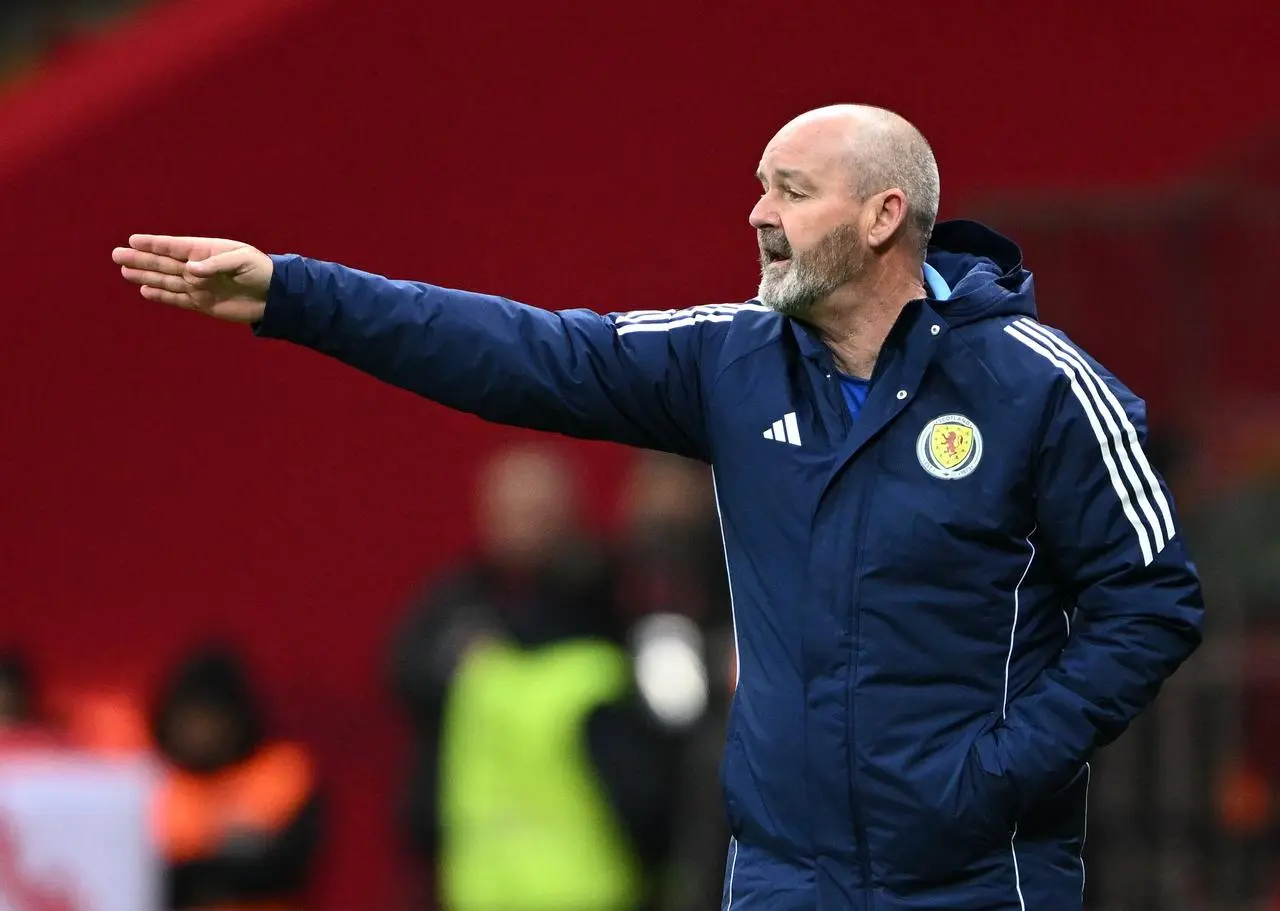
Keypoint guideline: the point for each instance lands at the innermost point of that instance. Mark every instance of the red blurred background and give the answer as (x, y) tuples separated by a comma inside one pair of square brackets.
[(163, 477)]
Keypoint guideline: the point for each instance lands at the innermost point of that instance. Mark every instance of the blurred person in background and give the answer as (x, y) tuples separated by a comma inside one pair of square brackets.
[(238, 813), (671, 568), (670, 553), (538, 783), (22, 723), (105, 720), (16, 701)]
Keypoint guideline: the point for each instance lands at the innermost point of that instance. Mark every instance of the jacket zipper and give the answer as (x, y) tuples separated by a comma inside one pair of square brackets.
[(860, 537), (855, 803)]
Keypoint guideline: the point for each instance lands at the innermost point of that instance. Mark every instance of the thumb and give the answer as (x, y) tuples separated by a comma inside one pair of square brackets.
[(229, 262)]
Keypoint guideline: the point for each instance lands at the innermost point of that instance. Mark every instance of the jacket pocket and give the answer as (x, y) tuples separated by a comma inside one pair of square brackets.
[(1061, 817), (952, 820)]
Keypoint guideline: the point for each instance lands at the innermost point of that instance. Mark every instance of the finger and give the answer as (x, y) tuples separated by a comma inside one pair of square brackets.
[(172, 298), (229, 262), (183, 248), (151, 262), (164, 245), (163, 280)]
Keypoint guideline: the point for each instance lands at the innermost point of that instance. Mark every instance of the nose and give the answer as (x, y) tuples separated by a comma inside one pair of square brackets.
[(764, 214)]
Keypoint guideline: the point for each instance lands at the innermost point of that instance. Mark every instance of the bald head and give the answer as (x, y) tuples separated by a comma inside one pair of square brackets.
[(850, 198), (881, 150)]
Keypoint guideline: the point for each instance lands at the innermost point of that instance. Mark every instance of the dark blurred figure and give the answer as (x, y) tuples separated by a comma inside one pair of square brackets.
[(672, 556), (22, 720), (674, 587), (103, 721), (239, 812), (539, 782), (16, 699)]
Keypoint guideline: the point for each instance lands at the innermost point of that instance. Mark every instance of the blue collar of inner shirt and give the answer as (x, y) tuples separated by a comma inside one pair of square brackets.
[(938, 287)]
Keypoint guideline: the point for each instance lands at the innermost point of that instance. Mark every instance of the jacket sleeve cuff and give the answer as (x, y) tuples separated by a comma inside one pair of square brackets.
[(286, 299)]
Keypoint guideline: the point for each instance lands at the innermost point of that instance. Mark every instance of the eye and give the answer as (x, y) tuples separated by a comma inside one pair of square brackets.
[(791, 193)]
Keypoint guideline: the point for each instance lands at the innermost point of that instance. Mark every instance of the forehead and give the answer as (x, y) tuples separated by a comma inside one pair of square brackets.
[(819, 151)]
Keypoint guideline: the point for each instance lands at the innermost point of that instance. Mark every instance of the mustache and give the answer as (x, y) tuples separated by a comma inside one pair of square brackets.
[(773, 245)]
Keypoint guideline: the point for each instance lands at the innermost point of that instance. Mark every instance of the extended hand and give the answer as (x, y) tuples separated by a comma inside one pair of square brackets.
[(225, 279)]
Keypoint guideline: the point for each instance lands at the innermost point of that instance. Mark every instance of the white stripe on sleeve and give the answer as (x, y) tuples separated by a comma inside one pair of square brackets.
[(1087, 403), (668, 325), (664, 320), (1131, 446), (658, 316)]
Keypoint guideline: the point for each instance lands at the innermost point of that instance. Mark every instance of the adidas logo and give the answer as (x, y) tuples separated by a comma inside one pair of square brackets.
[(785, 430)]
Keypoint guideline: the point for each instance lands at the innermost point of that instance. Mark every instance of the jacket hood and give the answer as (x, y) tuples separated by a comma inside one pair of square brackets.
[(984, 272)]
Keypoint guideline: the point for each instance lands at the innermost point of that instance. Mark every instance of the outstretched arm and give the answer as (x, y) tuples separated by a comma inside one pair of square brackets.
[(634, 378)]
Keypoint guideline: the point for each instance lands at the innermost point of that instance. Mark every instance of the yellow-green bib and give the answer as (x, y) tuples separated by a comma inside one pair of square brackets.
[(526, 825)]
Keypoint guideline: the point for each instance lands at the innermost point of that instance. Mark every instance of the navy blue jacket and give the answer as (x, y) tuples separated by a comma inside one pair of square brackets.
[(943, 608)]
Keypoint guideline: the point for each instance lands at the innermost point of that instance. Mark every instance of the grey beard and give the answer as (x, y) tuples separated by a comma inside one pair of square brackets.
[(808, 279), (795, 291)]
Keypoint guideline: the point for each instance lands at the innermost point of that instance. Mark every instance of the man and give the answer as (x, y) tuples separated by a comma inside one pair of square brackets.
[(238, 815), (954, 573), (538, 783), (672, 565), (17, 709)]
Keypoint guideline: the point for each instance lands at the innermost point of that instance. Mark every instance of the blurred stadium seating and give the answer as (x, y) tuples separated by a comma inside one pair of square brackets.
[(32, 32)]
